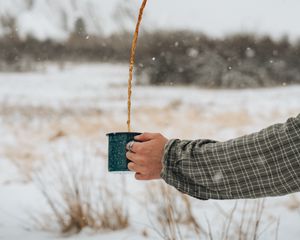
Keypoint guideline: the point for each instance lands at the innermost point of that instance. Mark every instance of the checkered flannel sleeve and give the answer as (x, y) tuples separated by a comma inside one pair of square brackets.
[(266, 163)]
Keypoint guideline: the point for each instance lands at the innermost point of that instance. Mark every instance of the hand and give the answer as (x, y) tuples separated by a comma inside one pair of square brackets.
[(146, 156)]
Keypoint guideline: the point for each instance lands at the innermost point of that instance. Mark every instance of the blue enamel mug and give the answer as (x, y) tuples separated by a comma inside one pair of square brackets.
[(117, 141)]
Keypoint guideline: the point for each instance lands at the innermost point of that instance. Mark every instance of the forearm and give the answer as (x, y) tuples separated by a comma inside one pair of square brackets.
[(262, 164)]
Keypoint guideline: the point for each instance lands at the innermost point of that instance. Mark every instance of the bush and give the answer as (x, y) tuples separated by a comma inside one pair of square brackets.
[(172, 213), (238, 61), (163, 58), (77, 197)]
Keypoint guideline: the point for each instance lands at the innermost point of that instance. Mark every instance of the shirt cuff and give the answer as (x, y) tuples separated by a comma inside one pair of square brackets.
[(172, 173), (168, 164)]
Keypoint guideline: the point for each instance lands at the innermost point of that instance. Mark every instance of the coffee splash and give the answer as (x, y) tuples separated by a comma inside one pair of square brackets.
[(131, 63)]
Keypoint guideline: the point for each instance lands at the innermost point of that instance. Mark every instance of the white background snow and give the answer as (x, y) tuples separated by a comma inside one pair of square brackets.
[(89, 100), (177, 112)]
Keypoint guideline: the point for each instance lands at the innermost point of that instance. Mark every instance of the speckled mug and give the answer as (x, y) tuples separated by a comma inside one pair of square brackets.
[(117, 141)]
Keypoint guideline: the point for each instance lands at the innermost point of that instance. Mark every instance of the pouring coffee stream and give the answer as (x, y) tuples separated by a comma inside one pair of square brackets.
[(131, 63), (117, 141)]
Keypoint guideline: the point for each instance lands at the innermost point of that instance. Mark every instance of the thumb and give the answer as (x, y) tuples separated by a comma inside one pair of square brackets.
[(145, 137)]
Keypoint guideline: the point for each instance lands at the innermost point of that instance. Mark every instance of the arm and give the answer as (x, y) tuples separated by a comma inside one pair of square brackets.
[(262, 164)]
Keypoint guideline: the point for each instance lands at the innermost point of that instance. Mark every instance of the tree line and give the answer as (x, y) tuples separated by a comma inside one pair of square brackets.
[(169, 57)]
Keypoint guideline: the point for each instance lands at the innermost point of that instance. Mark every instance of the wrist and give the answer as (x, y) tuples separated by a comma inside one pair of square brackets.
[(166, 158)]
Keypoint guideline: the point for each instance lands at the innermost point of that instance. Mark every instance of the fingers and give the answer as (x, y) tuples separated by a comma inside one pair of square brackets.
[(129, 146), (139, 176), (134, 158), (135, 167), (146, 137), (133, 146)]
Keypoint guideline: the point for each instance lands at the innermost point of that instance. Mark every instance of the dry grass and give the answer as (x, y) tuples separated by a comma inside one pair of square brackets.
[(232, 119), (172, 218), (24, 158), (293, 203), (246, 224), (77, 198), (172, 211)]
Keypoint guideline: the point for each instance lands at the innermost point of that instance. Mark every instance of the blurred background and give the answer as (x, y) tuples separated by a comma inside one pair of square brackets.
[(204, 69)]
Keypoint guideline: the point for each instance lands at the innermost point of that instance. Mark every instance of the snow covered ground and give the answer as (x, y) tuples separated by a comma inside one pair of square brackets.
[(46, 114)]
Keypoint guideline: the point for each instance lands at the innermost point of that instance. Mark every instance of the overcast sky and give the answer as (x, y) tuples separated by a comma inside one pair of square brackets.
[(214, 17)]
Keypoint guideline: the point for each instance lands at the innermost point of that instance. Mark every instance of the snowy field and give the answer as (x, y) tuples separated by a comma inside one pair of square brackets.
[(64, 113)]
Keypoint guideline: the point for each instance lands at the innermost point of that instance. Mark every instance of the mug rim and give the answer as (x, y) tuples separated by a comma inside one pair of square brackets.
[(121, 133)]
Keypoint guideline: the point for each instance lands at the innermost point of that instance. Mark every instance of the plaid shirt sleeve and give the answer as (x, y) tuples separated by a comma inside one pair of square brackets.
[(266, 163)]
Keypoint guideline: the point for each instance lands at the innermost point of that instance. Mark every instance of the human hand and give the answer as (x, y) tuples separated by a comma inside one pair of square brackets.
[(146, 155)]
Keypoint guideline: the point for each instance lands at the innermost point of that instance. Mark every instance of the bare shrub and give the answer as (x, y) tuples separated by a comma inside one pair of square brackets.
[(9, 25), (77, 197), (293, 203), (173, 218), (171, 210), (236, 61), (164, 57), (245, 224)]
